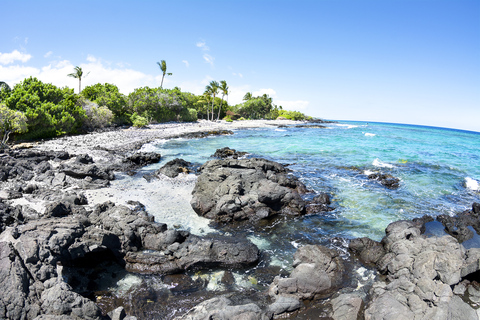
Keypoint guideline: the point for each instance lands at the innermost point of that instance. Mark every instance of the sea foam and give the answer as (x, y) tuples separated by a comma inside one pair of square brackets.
[(472, 184), (378, 163), (367, 134)]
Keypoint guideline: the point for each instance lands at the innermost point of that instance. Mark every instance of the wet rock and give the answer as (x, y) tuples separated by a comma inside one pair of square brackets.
[(144, 158), (226, 152), (320, 203), (317, 272), (173, 168), (194, 253), (386, 180), (246, 189), (369, 251), (223, 308), (197, 135), (458, 225)]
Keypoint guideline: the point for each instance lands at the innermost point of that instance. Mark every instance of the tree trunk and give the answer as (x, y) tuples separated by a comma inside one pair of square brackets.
[(220, 108)]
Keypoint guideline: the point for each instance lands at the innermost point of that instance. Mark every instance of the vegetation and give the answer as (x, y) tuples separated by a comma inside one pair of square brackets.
[(36, 110), (78, 74), (163, 67), (107, 95), (11, 121), (50, 111)]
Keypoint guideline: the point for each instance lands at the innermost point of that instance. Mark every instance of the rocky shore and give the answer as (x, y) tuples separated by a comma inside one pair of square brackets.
[(57, 244)]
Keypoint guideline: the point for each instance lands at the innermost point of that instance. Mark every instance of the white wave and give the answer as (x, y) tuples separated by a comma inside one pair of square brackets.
[(348, 126), (368, 172), (472, 184), (367, 134), (378, 163), (280, 130)]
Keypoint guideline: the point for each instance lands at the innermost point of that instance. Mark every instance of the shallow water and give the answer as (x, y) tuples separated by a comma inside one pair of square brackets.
[(439, 171)]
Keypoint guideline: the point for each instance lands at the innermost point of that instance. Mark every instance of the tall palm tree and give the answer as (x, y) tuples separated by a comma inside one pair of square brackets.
[(224, 89), (214, 90), (208, 95), (78, 74), (163, 66), (247, 96)]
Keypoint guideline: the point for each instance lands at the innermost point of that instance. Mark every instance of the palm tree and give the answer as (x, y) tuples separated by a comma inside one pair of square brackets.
[(163, 67), (208, 95), (247, 96), (78, 74), (214, 85), (224, 89)]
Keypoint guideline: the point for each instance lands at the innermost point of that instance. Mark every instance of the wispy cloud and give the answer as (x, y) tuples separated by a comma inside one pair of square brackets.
[(203, 45), (208, 59), (237, 74), (48, 54), (272, 93), (186, 63), (15, 55)]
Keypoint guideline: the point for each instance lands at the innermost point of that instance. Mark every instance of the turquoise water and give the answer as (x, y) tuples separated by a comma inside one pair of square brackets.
[(439, 171)]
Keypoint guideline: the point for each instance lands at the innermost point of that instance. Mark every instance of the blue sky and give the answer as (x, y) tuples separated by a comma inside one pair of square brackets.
[(404, 61)]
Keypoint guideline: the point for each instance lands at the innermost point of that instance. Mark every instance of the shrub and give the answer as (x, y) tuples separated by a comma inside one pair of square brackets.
[(107, 95), (11, 121), (139, 121), (96, 117)]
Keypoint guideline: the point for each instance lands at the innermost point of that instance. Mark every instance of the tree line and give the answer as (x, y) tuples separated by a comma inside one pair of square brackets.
[(34, 110)]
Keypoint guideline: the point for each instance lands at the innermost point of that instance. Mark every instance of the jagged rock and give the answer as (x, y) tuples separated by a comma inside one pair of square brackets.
[(317, 272), (174, 167), (174, 255), (421, 273), (387, 180), (223, 308), (320, 203), (369, 251), (81, 171), (144, 158), (242, 189), (347, 306), (84, 159), (226, 152)]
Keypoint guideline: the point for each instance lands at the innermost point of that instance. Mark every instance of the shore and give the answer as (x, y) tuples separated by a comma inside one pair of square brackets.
[(74, 221), (101, 145)]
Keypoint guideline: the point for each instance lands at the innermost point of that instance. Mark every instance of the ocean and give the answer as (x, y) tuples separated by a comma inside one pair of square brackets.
[(438, 168)]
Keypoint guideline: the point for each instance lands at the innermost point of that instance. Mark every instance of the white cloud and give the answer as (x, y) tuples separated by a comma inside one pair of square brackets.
[(236, 94), (202, 45), (298, 105), (237, 74), (272, 93), (186, 63), (208, 59), (97, 72), (48, 54), (91, 58), (7, 58)]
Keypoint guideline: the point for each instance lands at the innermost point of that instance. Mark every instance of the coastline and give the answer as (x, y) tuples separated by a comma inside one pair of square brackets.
[(101, 145)]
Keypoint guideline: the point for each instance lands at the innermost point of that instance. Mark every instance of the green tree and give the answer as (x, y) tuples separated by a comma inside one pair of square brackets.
[(247, 96), (163, 66), (78, 74), (4, 90), (108, 95), (224, 89), (50, 111), (11, 121)]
